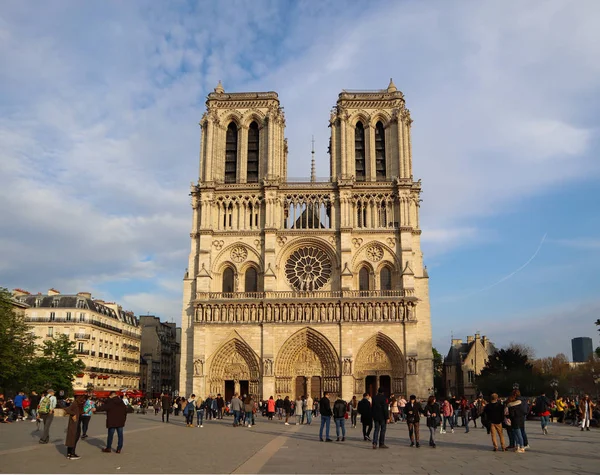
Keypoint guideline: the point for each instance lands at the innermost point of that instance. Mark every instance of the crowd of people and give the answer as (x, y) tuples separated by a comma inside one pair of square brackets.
[(497, 415)]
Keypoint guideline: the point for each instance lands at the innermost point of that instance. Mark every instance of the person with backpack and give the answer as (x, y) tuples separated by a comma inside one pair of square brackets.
[(46, 413), (189, 411)]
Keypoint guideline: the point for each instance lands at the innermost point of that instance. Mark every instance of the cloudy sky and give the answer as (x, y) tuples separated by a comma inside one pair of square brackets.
[(99, 140)]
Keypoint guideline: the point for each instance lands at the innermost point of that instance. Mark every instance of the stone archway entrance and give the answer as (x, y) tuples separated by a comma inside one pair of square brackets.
[(307, 364), (234, 369), (379, 364)]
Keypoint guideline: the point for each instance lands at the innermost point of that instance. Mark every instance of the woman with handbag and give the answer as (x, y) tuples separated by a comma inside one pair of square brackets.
[(432, 412)]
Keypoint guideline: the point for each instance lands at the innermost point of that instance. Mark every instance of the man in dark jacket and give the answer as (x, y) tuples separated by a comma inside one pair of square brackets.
[(220, 406), (542, 409), (165, 403), (116, 415), (364, 409), (494, 412), (413, 411), (380, 413), (339, 416), (325, 406)]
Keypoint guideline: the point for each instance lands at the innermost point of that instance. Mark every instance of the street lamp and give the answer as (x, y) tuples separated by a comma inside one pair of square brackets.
[(515, 386)]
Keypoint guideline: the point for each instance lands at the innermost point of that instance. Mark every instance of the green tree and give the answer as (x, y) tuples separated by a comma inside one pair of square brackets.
[(438, 368), (17, 344), (505, 369), (56, 367)]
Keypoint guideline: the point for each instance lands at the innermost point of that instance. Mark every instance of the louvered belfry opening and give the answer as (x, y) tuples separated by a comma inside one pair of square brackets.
[(231, 149), (253, 142), (359, 151)]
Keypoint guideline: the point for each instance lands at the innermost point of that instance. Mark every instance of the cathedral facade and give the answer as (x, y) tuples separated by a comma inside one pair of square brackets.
[(298, 288)]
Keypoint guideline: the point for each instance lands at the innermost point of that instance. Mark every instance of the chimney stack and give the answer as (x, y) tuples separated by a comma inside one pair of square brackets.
[(470, 339), (456, 342)]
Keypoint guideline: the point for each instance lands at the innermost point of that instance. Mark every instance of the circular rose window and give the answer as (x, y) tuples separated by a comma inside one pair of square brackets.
[(308, 268)]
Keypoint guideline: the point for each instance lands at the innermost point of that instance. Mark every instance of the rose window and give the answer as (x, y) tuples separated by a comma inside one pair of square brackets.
[(239, 254), (374, 253), (308, 268)]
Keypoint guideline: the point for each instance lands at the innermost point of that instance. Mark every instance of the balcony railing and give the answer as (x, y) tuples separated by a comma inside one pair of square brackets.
[(86, 320), (130, 347), (82, 336), (317, 294), (82, 352)]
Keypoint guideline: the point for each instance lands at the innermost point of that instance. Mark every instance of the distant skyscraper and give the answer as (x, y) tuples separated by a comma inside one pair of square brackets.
[(582, 349)]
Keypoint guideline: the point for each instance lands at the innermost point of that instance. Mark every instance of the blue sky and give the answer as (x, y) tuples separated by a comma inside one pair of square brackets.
[(99, 140)]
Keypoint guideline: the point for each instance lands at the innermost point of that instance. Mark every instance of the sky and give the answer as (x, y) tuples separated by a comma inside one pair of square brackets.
[(99, 142)]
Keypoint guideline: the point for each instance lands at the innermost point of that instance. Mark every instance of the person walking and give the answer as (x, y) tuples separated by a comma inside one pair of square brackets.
[(220, 406), (586, 409), (353, 406), (380, 413), (46, 413), (366, 419), (18, 402), (270, 408), (494, 412), (73, 427), (401, 405), (542, 408), (325, 408), (287, 409), (464, 413), (560, 410), (298, 410), (339, 417), (165, 402), (308, 409), (249, 408), (448, 413), (116, 415), (412, 413), (236, 406), (156, 406), (34, 401), (89, 407), (514, 412), (394, 408), (279, 407), (189, 411), (432, 412)]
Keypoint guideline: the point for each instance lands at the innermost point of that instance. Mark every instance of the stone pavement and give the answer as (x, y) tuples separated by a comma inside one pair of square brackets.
[(271, 447)]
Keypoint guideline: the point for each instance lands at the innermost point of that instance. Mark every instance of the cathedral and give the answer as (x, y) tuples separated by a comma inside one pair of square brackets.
[(296, 288)]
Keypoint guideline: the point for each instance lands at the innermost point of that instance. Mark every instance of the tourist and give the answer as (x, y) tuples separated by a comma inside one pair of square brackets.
[(366, 418), (401, 405), (325, 409), (46, 413), (89, 407), (380, 413), (494, 412), (448, 413), (516, 418), (236, 406), (432, 411), (189, 411), (298, 410), (34, 401), (165, 402), (156, 406), (560, 410), (541, 407), (412, 413), (270, 408), (287, 408), (73, 427), (586, 408), (18, 402), (308, 409), (353, 406), (394, 408), (339, 417), (116, 415), (249, 408), (199, 411), (279, 407), (525, 410), (220, 406), (464, 413)]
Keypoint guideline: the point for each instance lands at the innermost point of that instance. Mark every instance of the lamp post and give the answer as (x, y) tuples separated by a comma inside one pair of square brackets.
[(554, 384)]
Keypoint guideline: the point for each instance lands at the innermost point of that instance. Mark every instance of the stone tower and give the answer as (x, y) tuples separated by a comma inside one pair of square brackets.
[(299, 288)]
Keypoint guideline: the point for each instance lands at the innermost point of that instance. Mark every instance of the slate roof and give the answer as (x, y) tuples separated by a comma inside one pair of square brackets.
[(457, 354)]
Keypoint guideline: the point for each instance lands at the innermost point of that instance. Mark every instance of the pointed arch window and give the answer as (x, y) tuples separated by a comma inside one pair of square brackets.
[(231, 149), (359, 151), (363, 279), (380, 151), (228, 280), (251, 280), (253, 140), (385, 279)]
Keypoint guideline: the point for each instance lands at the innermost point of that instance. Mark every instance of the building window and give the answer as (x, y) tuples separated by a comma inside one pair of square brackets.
[(50, 331), (68, 316), (385, 278), (80, 346), (54, 303), (228, 280), (471, 376), (359, 152), (38, 302), (52, 316), (363, 279), (231, 141), (253, 141), (251, 280), (380, 151), (81, 317)]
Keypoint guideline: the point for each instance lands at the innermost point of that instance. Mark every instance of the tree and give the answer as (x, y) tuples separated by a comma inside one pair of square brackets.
[(56, 367), (438, 368), (17, 344), (505, 369)]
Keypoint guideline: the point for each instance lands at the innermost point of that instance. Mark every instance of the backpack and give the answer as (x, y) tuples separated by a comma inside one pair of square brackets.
[(44, 407)]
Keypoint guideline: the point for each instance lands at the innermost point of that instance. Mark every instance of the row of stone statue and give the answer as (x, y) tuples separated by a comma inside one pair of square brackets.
[(290, 312)]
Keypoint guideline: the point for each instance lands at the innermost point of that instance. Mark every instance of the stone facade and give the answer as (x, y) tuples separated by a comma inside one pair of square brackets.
[(301, 287), (107, 338)]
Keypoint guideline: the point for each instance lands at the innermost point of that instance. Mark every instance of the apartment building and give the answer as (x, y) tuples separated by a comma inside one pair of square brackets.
[(107, 337)]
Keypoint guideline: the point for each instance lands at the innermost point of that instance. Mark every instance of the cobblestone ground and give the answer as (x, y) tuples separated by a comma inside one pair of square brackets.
[(271, 447)]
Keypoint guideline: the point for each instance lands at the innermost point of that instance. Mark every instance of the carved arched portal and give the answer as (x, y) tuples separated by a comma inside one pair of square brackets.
[(379, 363), (234, 368), (307, 363)]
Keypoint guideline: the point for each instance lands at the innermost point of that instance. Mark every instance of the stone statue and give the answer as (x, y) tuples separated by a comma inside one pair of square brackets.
[(199, 367)]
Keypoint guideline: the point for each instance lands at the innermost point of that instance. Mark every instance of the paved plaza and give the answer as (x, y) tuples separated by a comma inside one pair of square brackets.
[(271, 447)]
